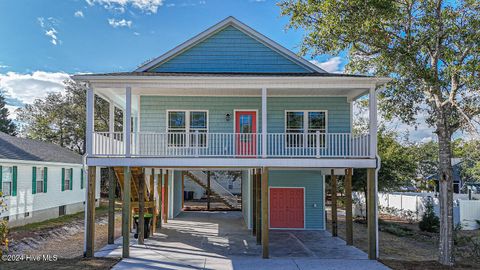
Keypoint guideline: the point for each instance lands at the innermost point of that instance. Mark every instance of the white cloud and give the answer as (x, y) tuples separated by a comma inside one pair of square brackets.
[(23, 89), (48, 26), (78, 14), (119, 23), (332, 65), (3, 66), (149, 6)]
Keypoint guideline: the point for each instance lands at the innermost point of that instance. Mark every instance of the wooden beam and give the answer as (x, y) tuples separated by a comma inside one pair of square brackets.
[(258, 205), (90, 230), (372, 214), (152, 199), (126, 213), (265, 225), (160, 199), (208, 191), (334, 203), (111, 206), (348, 207), (254, 201), (141, 209), (183, 190), (165, 197)]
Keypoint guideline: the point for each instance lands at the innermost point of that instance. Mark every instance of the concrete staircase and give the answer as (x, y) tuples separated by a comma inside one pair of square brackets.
[(216, 190)]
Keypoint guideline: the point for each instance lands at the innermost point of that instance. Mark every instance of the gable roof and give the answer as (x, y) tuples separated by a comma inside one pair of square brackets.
[(26, 149), (236, 24)]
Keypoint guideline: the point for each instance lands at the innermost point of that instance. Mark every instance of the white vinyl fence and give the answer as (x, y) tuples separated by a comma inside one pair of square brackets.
[(411, 206)]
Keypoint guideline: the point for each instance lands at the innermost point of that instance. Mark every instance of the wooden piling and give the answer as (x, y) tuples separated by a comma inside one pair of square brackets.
[(265, 227), (333, 178), (348, 207), (90, 230), (141, 210), (111, 206), (372, 214), (126, 211)]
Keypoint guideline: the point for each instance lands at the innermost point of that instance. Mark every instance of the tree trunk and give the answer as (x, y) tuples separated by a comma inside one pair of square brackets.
[(445, 191)]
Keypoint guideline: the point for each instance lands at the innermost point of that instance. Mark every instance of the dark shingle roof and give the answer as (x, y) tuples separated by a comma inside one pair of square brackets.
[(26, 149), (226, 74)]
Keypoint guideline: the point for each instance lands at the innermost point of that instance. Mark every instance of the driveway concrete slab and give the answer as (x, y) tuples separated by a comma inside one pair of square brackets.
[(219, 240)]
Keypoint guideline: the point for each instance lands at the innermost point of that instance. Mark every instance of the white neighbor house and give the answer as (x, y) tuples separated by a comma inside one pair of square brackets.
[(39, 180)]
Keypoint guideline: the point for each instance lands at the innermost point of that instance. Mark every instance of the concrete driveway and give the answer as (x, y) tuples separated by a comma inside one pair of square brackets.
[(219, 240)]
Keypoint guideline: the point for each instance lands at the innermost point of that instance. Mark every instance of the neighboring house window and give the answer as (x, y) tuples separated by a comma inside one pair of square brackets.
[(301, 128), (183, 125), (7, 180), (67, 179), (40, 175)]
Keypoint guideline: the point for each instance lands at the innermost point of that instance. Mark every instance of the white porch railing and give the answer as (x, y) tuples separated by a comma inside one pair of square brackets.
[(233, 145)]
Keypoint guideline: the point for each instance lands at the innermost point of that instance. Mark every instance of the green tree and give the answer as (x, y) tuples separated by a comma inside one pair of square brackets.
[(398, 165), (61, 118), (429, 47), (469, 152), (6, 124)]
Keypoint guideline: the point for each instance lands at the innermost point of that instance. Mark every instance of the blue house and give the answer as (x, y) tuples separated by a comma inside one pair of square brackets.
[(232, 99)]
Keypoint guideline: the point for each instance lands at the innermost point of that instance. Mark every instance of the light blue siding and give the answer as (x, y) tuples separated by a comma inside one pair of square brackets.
[(312, 181), (231, 50), (154, 110)]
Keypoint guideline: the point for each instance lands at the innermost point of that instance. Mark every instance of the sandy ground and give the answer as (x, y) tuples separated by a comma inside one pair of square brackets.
[(418, 251), (69, 250)]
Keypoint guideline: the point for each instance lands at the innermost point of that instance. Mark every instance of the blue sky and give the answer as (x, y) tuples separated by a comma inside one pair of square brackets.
[(43, 42)]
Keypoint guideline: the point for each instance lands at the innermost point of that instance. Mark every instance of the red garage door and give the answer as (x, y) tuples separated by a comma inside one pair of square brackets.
[(287, 208)]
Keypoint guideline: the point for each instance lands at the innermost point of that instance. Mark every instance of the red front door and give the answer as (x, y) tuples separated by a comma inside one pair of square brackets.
[(246, 129), (287, 208)]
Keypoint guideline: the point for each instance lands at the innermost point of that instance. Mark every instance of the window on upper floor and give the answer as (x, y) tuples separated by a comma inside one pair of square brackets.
[(301, 128), (7, 180), (187, 128)]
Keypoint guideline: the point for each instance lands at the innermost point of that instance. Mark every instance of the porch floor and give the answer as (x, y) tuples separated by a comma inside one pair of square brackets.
[(220, 240)]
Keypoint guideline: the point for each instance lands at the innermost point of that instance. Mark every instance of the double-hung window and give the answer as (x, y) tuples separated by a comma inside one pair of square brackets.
[(187, 128), (68, 179), (301, 128), (40, 177), (7, 180)]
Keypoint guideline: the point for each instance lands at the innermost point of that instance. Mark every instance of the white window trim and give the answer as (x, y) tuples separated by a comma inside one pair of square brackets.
[(10, 180), (41, 179), (65, 187), (187, 128), (305, 127)]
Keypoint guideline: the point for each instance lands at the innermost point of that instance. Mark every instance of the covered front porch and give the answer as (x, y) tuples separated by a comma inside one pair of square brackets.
[(220, 240)]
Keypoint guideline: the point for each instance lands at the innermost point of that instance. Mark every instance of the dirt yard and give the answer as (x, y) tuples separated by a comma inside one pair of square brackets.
[(404, 246), (63, 238)]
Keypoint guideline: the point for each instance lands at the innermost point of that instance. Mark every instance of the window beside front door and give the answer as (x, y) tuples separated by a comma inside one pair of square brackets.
[(301, 128), (187, 128), (7, 180)]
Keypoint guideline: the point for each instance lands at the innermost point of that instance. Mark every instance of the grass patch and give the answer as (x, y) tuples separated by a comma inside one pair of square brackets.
[(56, 222), (395, 229)]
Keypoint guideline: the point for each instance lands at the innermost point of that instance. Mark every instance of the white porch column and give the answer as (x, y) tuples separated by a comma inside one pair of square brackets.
[(90, 120), (372, 104), (264, 122), (128, 120)]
